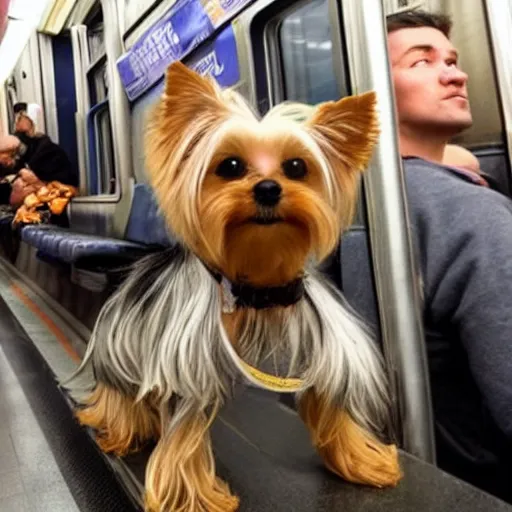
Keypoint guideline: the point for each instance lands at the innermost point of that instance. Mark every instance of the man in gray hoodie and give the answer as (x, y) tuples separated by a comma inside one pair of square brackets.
[(463, 232)]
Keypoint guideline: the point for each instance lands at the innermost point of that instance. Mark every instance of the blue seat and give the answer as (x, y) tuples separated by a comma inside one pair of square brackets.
[(69, 247), (146, 230), (357, 276)]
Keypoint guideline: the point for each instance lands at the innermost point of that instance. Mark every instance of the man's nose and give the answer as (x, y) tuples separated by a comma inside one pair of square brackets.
[(452, 75)]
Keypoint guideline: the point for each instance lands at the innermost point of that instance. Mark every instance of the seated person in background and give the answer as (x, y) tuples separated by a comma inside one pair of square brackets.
[(463, 234), (40, 157), (43, 177), (18, 107), (28, 194)]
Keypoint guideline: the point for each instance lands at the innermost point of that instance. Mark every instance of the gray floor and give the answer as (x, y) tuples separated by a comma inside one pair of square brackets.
[(30, 480)]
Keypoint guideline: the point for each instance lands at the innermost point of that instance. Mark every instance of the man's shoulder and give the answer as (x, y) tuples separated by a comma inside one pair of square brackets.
[(419, 170), (446, 209), (430, 184)]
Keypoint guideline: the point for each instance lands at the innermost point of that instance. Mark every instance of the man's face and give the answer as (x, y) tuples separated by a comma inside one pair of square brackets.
[(430, 90)]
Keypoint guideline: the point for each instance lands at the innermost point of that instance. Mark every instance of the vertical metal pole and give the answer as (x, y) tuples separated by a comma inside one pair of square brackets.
[(396, 275)]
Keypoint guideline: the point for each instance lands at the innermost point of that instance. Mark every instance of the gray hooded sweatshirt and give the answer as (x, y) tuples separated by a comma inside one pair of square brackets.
[(463, 235)]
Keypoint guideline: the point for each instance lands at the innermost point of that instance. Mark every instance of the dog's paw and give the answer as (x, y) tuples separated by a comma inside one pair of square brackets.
[(217, 500), (364, 460)]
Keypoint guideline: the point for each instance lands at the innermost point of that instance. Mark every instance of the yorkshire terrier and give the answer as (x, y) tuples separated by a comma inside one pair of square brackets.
[(257, 205)]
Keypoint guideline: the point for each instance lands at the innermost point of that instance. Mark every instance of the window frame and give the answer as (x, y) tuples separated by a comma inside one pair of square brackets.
[(104, 150)]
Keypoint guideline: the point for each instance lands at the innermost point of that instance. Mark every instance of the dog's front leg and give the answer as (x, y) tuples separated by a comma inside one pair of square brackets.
[(346, 448), (123, 424), (180, 476)]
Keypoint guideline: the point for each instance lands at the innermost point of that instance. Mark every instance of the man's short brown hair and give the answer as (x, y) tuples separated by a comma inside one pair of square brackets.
[(419, 18)]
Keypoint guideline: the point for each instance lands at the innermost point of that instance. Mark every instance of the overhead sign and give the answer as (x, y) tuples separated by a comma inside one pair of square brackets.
[(182, 29), (219, 59)]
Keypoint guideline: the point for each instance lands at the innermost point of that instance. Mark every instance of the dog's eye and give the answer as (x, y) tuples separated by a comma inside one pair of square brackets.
[(295, 168), (231, 168)]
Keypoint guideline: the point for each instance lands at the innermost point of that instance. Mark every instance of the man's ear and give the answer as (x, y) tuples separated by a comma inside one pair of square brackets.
[(347, 130)]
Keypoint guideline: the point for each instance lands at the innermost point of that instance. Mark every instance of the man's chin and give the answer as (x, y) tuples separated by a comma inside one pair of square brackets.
[(454, 126), (463, 119)]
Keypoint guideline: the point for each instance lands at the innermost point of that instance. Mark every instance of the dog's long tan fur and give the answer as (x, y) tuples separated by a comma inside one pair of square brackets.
[(166, 352), (123, 424)]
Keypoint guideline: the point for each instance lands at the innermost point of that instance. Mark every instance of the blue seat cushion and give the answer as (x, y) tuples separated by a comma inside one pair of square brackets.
[(68, 246), (146, 231), (357, 276)]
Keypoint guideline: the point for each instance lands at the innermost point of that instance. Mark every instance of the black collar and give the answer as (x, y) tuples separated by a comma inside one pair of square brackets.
[(245, 295)]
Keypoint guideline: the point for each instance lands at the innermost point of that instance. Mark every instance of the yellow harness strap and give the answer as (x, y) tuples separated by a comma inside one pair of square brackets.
[(273, 383)]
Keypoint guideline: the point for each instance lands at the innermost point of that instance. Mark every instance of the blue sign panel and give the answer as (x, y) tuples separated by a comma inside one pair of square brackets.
[(181, 29), (177, 33), (219, 59)]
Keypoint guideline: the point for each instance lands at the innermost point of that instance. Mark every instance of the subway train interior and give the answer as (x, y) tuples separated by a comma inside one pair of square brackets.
[(95, 68)]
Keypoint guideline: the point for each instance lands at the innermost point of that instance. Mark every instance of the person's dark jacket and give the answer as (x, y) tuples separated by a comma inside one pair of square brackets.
[(47, 160)]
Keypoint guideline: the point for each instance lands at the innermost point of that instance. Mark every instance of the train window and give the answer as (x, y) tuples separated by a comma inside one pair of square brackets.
[(102, 176), (306, 54), (107, 180), (98, 81), (96, 43), (312, 60), (101, 172), (95, 33)]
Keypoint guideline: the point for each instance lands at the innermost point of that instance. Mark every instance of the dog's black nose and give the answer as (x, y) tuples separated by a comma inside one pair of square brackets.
[(267, 192)]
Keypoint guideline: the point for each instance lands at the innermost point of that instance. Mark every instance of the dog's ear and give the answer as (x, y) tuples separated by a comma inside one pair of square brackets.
[(190, 107), (347, 130), (188, 94)]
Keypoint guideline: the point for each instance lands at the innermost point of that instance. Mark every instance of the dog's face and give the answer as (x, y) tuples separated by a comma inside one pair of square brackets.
[(255, 199)]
